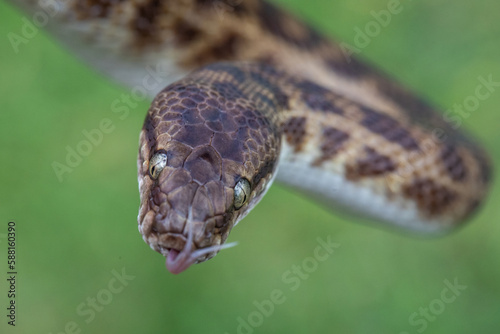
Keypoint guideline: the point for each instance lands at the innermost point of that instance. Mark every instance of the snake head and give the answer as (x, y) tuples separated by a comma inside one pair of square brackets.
[(201, 168)]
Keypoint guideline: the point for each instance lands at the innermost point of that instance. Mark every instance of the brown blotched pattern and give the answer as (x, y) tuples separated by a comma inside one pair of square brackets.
[(332, 142), (288, 29), (295, 131), (317, 97), (431, 197), (389, 128), (349, 67), (373, 164), (453, 163), (145, 23), (238, 8), (486, 173)]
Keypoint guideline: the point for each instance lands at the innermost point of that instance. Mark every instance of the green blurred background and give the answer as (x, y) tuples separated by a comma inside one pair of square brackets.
[(72, 235)]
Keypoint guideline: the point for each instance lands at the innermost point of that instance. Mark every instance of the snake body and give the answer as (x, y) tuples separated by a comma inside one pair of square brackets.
[(270, 97)]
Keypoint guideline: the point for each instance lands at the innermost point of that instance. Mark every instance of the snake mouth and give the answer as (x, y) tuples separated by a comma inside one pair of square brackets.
[(178, 261), (180, 258)]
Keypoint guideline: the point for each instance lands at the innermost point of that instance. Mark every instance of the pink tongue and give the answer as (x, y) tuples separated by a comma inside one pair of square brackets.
[(171, 265), (175, 264), (172, 255)]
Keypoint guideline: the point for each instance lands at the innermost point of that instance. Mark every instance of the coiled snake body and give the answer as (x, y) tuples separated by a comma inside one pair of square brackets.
[(284, 102)]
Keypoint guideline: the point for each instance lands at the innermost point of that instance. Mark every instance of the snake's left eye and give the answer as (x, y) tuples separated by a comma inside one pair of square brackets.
[(156, 164), (241, 193)]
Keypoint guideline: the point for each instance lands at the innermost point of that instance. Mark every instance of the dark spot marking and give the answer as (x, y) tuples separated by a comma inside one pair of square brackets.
[(389, 128), (144, 24), (373, 164), (223, 7), (185, 33), (332, 142), (317, 97), (486, 173), (205, 3), (273, 21), (453, 163), (352, 68), (295, 131), (430, 197), (225, 49)]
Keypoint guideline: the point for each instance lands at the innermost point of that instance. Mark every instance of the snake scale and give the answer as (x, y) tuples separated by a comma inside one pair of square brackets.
[(254, 95)]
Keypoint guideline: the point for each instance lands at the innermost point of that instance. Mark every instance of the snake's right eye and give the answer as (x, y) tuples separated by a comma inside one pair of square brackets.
[(157, 164), (241, 193)]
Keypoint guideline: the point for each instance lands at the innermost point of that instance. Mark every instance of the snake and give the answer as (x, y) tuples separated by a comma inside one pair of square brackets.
[(255, 95)]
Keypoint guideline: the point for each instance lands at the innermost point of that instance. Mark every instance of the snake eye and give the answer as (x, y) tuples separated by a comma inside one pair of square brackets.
[(241, 193), (156, 164)]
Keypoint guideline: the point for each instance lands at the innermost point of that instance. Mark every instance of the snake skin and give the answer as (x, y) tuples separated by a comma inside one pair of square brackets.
[(270, 98)]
